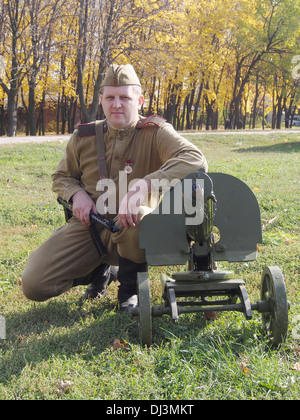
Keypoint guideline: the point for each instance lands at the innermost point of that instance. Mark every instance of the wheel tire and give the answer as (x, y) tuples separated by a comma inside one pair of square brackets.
[(273, 291)]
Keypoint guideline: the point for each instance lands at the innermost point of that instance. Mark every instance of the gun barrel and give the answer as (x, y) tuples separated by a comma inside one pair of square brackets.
[(65, 204), (108, 224)]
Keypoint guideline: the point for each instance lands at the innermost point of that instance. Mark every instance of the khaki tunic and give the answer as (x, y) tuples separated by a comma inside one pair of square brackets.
[(154, 152)]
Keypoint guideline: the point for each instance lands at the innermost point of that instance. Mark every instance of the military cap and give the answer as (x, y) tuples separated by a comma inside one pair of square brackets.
[(121, 76)]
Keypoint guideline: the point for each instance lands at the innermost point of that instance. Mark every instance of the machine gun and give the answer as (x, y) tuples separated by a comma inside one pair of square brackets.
[(230, 206), (95, 219)]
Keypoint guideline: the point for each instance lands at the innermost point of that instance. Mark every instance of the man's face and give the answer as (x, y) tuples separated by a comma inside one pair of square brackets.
[(121, 105)]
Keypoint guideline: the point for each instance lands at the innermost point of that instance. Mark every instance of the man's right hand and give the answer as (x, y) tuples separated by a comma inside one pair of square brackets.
[(83, 205), (129, 207)]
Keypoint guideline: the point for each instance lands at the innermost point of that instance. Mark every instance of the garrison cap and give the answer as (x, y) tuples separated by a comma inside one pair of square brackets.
[(121, 76)]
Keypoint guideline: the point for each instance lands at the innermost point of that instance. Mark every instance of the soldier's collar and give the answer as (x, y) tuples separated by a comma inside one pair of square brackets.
[(121, 132)]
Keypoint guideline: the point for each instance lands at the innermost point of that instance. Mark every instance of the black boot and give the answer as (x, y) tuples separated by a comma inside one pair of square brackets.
[(127, 294), (98, 281)]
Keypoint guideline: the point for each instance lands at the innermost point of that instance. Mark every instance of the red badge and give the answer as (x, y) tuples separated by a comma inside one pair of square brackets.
[(128, 166)]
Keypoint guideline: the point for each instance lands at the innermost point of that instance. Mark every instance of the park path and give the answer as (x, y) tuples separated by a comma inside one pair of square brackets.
[(32, 139), (62, 138)]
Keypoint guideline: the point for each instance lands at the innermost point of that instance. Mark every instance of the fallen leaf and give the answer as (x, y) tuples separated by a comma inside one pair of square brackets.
[(211, 316), (296, 367), (287, 241), (244, 365), (118, 345), (64, 387), (269, 222)]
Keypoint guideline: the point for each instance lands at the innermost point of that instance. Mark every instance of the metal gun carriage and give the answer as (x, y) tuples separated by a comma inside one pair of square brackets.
[(171, 239)]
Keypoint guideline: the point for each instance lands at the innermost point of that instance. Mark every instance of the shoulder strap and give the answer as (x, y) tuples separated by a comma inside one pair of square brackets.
[(153, 120), (98, 129), (85, 130), (101, 128)]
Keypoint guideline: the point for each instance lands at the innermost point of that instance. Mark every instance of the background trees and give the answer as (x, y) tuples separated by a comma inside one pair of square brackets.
[(201, 63)]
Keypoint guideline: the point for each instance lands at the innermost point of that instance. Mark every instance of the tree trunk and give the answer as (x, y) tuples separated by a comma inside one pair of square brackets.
[(254, 109), (12, 112), (264, 107), (151, 97), (196, 106), (279, 113), (58, 114), (2, 129), (31, 110), (89, 114)]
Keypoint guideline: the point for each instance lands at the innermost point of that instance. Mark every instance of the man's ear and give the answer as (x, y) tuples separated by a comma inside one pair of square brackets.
[(141, 101)]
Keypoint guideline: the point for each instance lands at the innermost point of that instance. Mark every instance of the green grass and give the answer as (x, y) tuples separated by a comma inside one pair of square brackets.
[(61, 340)]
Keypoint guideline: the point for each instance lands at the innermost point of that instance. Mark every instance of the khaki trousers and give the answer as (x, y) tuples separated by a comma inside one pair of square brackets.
[(70, 253)]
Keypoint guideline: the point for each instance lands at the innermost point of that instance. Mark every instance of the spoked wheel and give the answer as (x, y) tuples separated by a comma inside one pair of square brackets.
[(145, 315), (273, 291)]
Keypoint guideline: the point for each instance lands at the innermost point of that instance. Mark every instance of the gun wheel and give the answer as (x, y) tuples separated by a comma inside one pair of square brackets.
[(273, 291), (145, 315)]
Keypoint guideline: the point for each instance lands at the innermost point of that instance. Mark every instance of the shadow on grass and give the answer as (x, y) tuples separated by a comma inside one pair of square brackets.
[(64, 328), (60, 328), (288, 147)]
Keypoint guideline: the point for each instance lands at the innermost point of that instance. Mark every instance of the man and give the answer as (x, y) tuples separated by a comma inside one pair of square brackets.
[(134, 151)]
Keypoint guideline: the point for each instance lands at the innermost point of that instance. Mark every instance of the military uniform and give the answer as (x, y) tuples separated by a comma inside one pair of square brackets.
[(149, 149)]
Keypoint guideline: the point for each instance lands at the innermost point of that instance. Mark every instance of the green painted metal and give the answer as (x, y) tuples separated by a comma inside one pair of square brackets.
[(236, 214), (170, 239)]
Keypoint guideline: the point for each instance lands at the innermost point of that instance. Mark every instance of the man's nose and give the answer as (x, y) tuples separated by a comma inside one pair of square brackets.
[(117, 102)]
